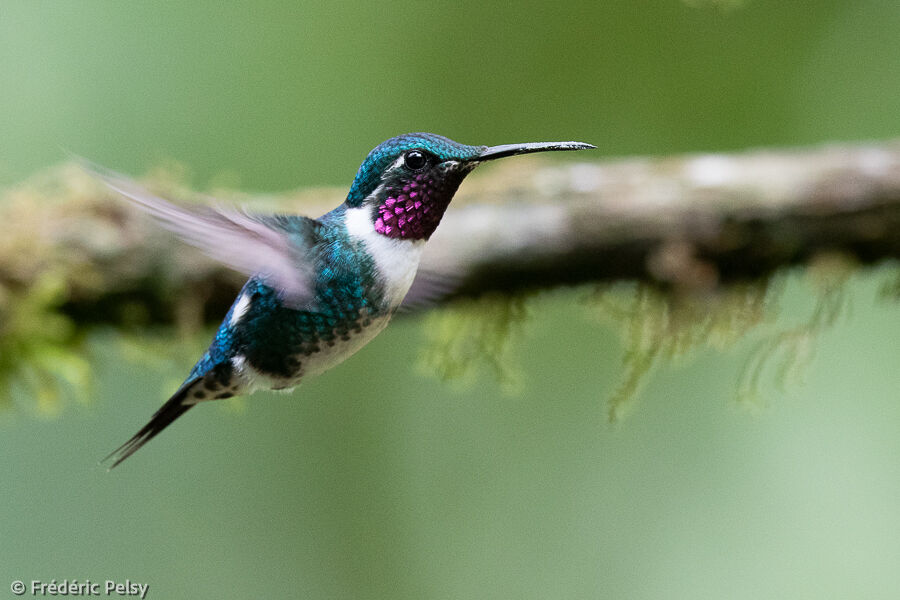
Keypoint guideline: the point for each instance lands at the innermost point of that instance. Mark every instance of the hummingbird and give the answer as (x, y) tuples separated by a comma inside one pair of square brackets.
[(318, 289)]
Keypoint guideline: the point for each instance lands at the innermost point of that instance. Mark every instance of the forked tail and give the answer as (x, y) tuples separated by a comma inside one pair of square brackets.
[(171, 410)]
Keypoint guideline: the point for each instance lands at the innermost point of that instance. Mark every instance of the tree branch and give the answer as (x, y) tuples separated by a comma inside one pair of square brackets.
[(687, 221)]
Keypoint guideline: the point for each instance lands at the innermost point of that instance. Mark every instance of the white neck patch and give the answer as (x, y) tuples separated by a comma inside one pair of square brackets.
[(396, 259)]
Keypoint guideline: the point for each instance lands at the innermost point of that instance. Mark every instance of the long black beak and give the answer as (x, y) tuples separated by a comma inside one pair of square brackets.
[(492, 152)]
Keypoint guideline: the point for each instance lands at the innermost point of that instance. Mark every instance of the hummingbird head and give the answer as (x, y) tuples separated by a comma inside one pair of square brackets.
[(409, 180)]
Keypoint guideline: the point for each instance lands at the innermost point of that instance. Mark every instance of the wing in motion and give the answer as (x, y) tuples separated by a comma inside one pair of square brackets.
[(428, 288), (274, 247)]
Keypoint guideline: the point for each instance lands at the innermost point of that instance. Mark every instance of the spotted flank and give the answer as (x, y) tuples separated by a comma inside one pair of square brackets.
[(212, 387)]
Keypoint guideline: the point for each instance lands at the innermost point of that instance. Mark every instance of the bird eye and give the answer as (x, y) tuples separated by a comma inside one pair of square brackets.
[(415, 160)]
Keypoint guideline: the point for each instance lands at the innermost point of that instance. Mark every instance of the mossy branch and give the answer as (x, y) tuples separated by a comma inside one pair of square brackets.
[(74, 254), (685, 222)]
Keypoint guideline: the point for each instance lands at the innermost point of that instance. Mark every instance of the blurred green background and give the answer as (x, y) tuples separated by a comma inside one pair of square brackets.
[(377, 480)]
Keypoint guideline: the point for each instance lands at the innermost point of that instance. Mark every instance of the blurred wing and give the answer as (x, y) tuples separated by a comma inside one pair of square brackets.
[(428, 288), (277, 248)]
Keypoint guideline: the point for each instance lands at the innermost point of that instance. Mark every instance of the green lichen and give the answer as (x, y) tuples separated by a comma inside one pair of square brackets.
[(41, 351), (472, 336)]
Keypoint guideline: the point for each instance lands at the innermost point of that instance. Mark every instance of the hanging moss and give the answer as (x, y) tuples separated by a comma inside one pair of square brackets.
[(73, 256), (661, 328), (473, 336)]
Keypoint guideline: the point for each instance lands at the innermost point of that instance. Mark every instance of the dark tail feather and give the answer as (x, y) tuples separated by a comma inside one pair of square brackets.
[(164, 417)]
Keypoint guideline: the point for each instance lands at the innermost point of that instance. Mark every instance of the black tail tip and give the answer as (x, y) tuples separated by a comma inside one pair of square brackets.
[(164, 417)]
